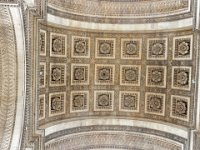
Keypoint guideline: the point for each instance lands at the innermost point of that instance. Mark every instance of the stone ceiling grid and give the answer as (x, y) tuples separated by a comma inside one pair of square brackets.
[(108, 38), (74, 23)]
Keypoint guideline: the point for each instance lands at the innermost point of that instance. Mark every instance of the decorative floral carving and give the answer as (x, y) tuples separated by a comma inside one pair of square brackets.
[(181, 107), (79, 73), (157, 49), (57, 45), (104, 74), (156, 76), (183, 48), (56, 104), (103, 100), (155, 103), (56, 74), (131, 49), (105, 48), (129, 101), (80, 47), (78, 101), (182, 78), (131, 75)]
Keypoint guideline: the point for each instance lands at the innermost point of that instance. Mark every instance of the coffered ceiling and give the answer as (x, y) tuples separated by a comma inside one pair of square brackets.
[(99, 74)]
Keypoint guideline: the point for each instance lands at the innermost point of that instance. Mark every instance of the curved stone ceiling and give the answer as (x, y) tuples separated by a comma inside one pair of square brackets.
[(8, 71), (133, 75), (92, 89), (126, 11)]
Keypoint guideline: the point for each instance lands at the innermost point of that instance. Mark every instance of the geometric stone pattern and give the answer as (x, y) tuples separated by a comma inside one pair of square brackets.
[(125, 74)]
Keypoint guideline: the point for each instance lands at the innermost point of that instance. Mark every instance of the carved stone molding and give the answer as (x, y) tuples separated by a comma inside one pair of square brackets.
[(8, 75), (122, 137)]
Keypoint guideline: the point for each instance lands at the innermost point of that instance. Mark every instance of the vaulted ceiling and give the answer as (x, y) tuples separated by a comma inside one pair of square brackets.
[(99, 74)]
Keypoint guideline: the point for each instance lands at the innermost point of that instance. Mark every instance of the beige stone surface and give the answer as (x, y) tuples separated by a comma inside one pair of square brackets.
[(99, 74)]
